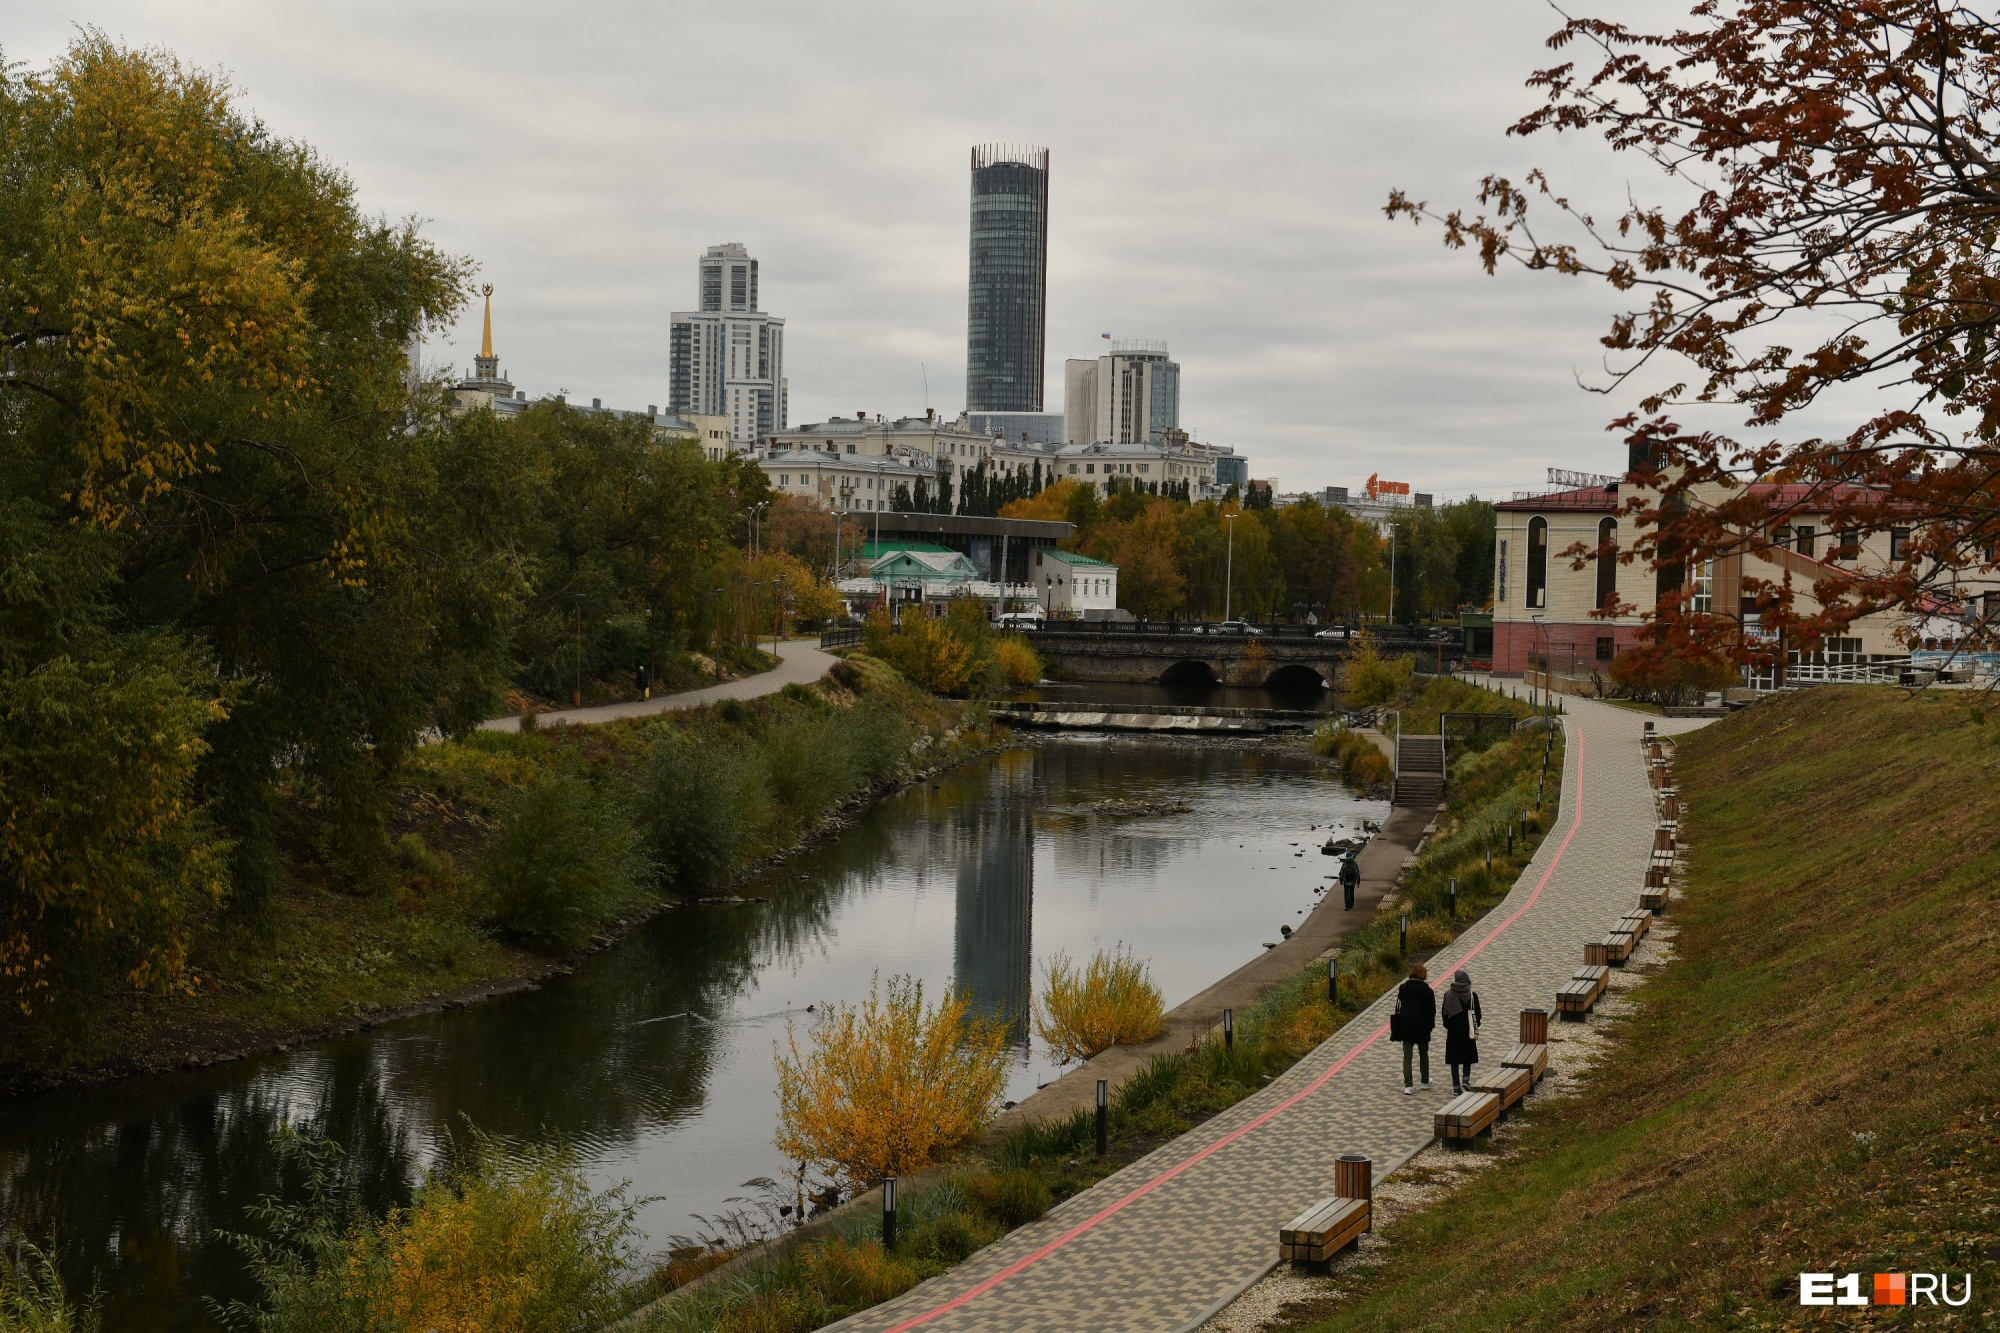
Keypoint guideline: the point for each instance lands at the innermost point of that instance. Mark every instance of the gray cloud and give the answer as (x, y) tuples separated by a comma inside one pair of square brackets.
[(1218, 176)]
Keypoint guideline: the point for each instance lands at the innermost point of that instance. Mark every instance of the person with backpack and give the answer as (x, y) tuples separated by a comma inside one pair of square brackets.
[(1412, 1023), (1350, 878), (1461, 1030)]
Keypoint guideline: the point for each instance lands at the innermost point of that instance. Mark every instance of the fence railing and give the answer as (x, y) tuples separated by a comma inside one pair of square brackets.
[(840, 638)]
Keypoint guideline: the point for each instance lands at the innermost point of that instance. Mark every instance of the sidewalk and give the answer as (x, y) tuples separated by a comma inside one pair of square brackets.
[(1166, 1242), (800, 663)]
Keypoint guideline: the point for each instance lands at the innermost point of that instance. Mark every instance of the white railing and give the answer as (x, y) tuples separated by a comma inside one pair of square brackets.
[(1847, 673)]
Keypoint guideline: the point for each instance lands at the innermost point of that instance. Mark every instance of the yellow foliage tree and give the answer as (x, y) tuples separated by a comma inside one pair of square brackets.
[(887, 1085), (1109, 1002), (516, 1244), (1019, 661), (924, 649), (806, 596)]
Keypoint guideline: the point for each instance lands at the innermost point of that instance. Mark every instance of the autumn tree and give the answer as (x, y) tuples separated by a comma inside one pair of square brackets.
[(1147, 547), (1838, 161)]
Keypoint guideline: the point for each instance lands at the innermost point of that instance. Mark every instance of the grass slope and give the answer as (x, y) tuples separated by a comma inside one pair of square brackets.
[(1814, 1086)]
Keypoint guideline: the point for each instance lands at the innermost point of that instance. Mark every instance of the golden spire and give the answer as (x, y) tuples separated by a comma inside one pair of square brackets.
[(486, 341)]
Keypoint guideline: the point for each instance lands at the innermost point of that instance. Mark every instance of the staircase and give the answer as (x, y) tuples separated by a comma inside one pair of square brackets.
[(1419, 771)]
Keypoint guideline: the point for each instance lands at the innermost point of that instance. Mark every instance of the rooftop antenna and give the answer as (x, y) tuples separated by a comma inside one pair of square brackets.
[(921, 370)]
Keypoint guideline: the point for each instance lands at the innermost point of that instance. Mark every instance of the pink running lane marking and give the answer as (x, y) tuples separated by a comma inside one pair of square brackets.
[(1020, 1265)]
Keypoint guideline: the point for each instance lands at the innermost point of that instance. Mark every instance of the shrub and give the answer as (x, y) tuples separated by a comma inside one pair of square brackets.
[(700, 800), (1362, 763), (32, 1299), (1019, 663), (924, 649), (1110, 1002), (502, 1241), (1372, 679), (1670, 674), (809, 760), (1010, 1198), (886, 1085), (560, 862)]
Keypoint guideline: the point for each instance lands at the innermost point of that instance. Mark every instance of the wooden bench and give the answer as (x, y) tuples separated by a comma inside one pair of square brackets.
[(1618, 947), (1639, 922), (1663, 840), (1331, 1224), (1510, 1083), (1597, 954), (1533, 1057), (1573, 1001), (1654, 897), (1323, 1230), (1467, 1116)]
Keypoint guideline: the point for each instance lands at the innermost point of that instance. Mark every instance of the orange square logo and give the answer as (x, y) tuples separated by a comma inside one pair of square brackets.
[(1892, 1289)]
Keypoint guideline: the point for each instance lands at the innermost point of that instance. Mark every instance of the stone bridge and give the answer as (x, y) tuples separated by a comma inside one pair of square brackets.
[(1187, 658)]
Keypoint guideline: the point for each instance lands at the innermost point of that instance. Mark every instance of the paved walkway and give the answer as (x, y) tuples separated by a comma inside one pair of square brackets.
[(1164, 1243), (799, 663)]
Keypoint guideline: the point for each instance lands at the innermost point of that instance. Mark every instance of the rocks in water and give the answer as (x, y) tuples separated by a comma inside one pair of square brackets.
[(1119, 805)]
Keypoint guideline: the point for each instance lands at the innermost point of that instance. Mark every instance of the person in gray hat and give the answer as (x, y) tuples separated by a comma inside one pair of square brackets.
[(1461, 1029)]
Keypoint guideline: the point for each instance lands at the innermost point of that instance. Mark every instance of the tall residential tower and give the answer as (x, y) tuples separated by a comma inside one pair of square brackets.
[(1009, 278), (729, 356)]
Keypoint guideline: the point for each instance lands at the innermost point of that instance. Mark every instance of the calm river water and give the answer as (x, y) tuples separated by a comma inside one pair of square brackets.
[(655, 1058)]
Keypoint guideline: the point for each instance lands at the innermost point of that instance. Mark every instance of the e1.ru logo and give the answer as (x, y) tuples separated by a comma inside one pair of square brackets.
[(1889, 1289)]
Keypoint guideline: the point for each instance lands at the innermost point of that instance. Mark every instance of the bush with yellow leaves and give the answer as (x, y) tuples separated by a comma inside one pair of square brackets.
[(1109, 1002), (883, 1087)]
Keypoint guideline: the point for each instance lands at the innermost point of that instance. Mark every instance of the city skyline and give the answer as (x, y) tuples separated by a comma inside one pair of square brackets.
[(1221, 185)]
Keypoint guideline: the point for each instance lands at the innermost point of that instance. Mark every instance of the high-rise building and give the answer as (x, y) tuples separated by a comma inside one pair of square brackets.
[(1009, 279), (729, 356), (1132, 396)]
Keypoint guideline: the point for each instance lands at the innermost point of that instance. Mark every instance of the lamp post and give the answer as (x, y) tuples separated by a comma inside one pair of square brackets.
[(718, 632), (576, 696), (1229, 567), (1392, 575), (1542, 652)]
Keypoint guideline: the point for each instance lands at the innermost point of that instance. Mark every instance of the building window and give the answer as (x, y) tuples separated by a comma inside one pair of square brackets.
[(1850, 545), (1899, 543), (1804, 539), (1701, 590), (1607, 566), (784, 478), (1604, 642), (1538, 562), (1072, 469), (1090, 468), (1144, 466)]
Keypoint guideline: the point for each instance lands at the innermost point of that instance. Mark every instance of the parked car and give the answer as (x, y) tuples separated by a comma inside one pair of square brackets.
[(1333, 632), (1229, 627)]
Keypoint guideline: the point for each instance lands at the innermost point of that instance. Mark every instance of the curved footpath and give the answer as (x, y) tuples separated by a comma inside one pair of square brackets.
[(1168, 1241), (798, 664)]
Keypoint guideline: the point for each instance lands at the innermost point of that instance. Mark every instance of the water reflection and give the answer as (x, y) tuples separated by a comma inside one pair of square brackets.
[(655, 1059)]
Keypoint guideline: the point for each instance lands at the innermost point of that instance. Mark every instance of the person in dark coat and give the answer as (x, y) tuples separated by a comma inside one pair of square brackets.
[(1416, 1019), (1461, 1030), (1350, 878)]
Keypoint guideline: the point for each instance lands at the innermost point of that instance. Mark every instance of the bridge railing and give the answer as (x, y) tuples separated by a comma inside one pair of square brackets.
[(1399, 638)]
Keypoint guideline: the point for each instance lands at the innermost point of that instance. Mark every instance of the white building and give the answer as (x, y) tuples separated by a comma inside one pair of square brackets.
[(848, 483), (1151, 465), (1069, 584), (949, 448), (728, 357), (1131, 396)]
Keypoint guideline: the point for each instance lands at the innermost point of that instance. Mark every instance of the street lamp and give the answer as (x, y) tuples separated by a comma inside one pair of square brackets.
[(1229, 567), (1392, 575), (1543, 652), (718, 631), (576, 696)]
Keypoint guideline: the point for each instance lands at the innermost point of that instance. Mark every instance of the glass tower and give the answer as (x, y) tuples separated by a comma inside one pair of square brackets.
[(1009, 278)]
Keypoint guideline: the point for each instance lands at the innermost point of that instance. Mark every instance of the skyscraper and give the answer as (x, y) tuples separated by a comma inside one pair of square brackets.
[(728, 358), (1009, 278)]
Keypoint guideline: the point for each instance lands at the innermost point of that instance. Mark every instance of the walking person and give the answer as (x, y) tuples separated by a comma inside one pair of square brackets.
[(1350, 878), (1461, 1030), (1413, 1022)]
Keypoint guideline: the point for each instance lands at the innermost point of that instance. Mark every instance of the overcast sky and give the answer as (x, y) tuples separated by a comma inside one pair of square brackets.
[(1218, 175)]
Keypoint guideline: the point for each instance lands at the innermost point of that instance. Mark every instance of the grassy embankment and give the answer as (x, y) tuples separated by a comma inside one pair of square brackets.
[(1812, 1087), (511, 851), (1001, 1185)]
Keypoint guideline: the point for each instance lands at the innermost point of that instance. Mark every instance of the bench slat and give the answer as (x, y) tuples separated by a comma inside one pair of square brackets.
[(1509, 1083), (1467, 1115)]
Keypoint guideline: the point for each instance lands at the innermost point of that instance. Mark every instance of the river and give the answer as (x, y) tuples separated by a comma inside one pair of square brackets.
[(655, 1058)]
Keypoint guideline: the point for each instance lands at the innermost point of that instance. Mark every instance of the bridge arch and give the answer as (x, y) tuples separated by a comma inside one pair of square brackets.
[(1188, 671), (1295, 676)]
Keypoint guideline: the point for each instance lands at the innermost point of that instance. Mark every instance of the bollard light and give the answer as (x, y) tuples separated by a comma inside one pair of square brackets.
[(1333, 981), (1454, 898), (1103, 1116), (889, 1213), (1404, 946), (1228, 1029)]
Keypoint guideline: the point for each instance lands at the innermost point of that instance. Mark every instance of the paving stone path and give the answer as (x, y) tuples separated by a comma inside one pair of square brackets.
[(799, 663), (1164, 1243)]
